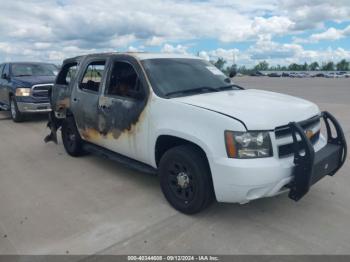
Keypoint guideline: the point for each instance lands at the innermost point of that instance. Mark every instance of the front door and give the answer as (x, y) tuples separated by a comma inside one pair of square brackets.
[(122, 109)]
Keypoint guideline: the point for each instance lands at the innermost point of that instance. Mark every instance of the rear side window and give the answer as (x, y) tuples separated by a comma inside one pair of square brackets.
[(92, 77), (67, 74), (1, 68)]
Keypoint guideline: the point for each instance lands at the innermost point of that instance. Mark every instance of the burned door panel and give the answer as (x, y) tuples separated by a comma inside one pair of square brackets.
[(60, 97), (85, 97), (121, 121), (61, 92), (119, 115)]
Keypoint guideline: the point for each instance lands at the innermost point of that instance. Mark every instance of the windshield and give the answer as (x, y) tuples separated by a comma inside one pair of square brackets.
[(33, 70), (183, 76)]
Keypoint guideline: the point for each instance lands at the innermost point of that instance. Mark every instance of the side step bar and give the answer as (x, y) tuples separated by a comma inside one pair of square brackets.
[(105, 153)]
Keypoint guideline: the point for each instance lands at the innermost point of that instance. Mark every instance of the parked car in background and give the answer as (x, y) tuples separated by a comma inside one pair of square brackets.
[(257, 73), (182, 118), (24, 88), (274, 75), (332, 75), (319, 75)]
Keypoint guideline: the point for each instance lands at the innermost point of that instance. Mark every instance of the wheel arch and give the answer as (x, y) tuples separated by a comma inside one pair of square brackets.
[(166, 142)]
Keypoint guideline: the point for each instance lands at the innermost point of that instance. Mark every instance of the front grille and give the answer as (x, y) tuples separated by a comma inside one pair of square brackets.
[(287, 150), (284, 133), (41, 90)]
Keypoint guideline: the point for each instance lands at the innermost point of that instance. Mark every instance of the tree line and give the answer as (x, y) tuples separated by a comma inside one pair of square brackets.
[(342, 65)]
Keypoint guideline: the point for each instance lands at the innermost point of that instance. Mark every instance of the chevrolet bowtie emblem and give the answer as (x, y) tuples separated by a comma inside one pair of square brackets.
[(309, 133)]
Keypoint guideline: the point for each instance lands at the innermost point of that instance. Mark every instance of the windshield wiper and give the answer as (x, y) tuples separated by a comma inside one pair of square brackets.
[(228, 87), (202, 89), (23, 75)]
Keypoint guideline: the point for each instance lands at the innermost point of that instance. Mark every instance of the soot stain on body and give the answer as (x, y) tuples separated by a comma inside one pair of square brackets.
[(122, 116)]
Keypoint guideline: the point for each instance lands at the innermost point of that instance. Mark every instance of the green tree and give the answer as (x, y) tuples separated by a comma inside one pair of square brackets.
[(295, 67), (305, 67), (220, 63), (262, 66), (329, 66), (284, 68), (314, 66), (343, 65)]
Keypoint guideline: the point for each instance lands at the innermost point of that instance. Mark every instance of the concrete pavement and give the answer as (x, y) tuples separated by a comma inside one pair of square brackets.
[(51, 203)]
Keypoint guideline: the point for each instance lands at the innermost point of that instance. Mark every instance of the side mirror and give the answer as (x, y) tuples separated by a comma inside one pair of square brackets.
[(233, 73)]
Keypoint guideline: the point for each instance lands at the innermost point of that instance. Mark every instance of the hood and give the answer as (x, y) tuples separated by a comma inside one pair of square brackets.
[(28, 81), (257, 109)]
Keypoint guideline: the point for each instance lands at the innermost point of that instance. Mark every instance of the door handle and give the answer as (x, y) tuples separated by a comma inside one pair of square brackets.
[(104, 107), (75, 99)]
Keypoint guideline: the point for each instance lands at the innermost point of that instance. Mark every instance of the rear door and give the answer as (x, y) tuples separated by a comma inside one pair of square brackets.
[(85, 97), (61, 91)]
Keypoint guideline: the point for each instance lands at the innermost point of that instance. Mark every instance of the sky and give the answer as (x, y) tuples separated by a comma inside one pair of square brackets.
[(244, 32)]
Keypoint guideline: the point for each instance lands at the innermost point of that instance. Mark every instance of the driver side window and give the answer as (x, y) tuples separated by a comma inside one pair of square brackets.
[(124, 82)]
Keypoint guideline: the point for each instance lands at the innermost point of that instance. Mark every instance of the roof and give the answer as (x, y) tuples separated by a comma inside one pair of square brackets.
[(138, 55), (31, 63), (144, 56)]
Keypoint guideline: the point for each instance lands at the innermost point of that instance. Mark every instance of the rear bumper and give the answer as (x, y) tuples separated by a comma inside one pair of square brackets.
[(24, 107)]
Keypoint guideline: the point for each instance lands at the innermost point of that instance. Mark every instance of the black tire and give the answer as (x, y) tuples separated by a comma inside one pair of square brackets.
[(16, 115), (185, 179), (72, 141)]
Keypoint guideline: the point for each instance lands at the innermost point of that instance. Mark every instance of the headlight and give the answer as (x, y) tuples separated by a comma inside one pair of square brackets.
[(248, 144), (23, 92)]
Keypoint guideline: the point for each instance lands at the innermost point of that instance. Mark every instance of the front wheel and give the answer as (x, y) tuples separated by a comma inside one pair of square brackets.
[(16, 115), (185, 179), (72, 141)]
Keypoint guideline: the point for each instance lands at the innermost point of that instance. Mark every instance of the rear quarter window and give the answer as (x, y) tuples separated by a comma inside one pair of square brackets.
[(67, 74)]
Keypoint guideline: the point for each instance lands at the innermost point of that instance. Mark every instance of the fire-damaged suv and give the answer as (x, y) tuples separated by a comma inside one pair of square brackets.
[(182, 118), (24, 88)]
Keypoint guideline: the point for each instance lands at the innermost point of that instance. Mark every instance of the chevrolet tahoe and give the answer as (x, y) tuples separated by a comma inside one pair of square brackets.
[(180, 117)]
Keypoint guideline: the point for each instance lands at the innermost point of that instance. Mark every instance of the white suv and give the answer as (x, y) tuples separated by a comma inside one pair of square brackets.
[(182, 118)]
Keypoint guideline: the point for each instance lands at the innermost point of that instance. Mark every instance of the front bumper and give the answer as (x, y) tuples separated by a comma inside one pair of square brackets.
[(243, 180), (311, 166), (25, 107)]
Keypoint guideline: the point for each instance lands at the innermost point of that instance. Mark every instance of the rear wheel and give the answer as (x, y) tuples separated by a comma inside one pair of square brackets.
[(185, 179), (72, 141), (16, 115)]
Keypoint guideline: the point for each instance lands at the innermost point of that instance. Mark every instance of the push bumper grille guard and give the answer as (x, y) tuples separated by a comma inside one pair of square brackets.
[(311, 166)]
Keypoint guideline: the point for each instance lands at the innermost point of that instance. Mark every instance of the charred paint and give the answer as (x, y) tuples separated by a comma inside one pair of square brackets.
[(119, 119), (120, 116), (90, 134), (98, 116), (63, 104)]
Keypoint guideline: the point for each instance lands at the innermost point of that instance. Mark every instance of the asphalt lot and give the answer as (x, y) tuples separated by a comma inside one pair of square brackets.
[(51, 203)]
